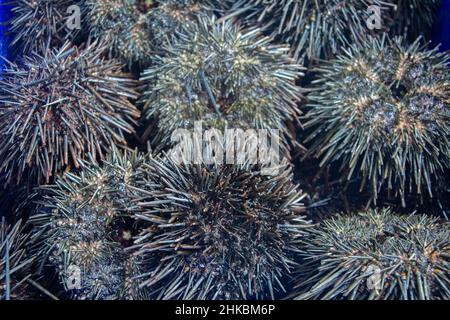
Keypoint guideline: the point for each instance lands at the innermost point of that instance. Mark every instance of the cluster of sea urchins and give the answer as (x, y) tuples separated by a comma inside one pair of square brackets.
[(218, 231), (84, 226), (120, 224), (222, 76), (124, 26), (378, 255), (57, 107), (381, 110)]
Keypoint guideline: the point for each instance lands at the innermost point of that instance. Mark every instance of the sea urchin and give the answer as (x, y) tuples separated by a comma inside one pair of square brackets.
[(381, 110), (60, 106), (218, 231)]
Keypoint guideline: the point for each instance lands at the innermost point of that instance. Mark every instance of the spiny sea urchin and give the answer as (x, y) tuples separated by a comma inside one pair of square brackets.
[(82, 222), (218, 231), (169, 16), (14, 262), (123, 26), (136, 29), (38, 24), (382, 111), (223, 76), (59, 106), (315, 28), (379, 255)]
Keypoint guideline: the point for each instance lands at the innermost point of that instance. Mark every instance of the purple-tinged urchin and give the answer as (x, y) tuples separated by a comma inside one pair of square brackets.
[(84, 224), (38, 24), (377, 255), (218, 231), (59, 106), (381, 112)]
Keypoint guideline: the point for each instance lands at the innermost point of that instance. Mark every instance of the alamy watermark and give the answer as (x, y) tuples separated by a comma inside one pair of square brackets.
[(73, 281), (233, 146), (74, 19), (374, 20), (374, 281)]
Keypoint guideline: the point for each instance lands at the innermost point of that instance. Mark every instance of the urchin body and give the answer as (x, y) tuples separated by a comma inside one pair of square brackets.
[(124, 26), (136, 30), (224, 232), (382, 112), (314, 29), (223, 76), (81, 222), (378, 255), (38, 24), (60, 106)]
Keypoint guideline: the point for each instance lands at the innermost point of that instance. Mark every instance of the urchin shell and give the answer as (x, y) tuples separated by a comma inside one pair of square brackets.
[(223, 76), (82, 224), (38, 24), (217, 232), (381, 110), (378, 255), (57, 107)]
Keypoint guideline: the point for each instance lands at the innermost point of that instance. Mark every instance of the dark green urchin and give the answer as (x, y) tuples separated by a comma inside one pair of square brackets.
[(217, 232), (135, 29), (15, 263), (223, 76), (382, 112), (58, 107), (83, 222), (168, 16), (379, 255), (38, 24), (123, 26), (315, 29)]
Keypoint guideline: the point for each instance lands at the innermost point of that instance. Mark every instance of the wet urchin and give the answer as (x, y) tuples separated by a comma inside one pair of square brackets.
[(218, 231), (38, 24), (222, 76), (381, 111), (57, 107), (378, 255), (84, 226), (315, 29), (135, 29)]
